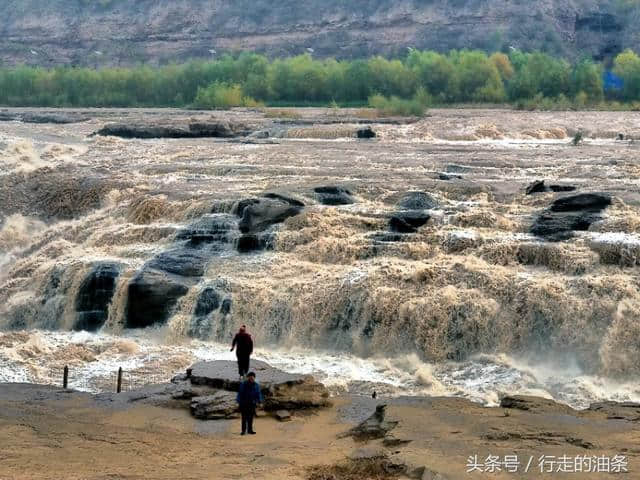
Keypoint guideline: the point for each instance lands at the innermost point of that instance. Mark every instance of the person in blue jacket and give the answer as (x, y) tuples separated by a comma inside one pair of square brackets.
[(249, 396)]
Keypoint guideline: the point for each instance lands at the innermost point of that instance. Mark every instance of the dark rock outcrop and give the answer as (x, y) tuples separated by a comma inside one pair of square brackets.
[(561, 227), (410, 219), (582, 202), (417, 201), (208, 301), (94, 297), (152, 295), (259, 214), (366, 132), (285, 198), (217, 130), (539, 186), (562, 188), (447, 177), (332, 195), (225, 308), (517, 403), (42, 117), (155, 290), (143, 131), (182, 261), (211, 307), (6, 116), (209, 229), (253, 243), (569, 214), (408, 222), (239, 207), (192, 130), (57, 118)]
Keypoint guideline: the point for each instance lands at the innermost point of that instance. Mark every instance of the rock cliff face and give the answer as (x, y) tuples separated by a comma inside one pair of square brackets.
[(124, 32)]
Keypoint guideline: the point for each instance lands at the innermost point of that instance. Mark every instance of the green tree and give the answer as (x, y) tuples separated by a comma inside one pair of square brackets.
[(435, 72), (586, 78), (478, 78), (539, 73), (391, 77), (356, 81), (627, 67)]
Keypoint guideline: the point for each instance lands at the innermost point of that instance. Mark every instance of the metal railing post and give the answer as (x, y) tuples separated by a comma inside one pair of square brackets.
[(119, 387)]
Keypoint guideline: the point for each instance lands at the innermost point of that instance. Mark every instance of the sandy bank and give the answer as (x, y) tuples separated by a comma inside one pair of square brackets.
[(50, 433)]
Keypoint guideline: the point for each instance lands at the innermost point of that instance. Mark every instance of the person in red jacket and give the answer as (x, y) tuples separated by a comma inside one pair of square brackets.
[(243, 344)]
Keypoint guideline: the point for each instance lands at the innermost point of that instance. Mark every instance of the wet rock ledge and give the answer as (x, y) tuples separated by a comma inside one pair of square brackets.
[(211, 129), (210, 389)]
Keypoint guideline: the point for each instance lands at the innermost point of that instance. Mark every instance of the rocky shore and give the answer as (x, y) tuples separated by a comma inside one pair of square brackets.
[(187, 429)]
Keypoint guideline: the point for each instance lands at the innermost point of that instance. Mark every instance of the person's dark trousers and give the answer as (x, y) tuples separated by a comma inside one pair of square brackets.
[(243, 364), (248, 412)]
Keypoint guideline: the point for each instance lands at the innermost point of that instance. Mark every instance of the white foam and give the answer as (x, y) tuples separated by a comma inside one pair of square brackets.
[(151, 358), (615, 237)]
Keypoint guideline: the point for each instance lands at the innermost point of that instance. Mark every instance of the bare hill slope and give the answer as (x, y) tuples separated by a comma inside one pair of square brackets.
[(124, 32)]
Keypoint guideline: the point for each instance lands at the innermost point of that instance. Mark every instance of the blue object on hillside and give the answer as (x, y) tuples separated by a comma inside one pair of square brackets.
[(612, 81)]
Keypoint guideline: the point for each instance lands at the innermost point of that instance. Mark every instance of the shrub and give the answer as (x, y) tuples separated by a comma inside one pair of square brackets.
[(292, 114), (582, 99), (577, 139), (222, 96), (415, 107)]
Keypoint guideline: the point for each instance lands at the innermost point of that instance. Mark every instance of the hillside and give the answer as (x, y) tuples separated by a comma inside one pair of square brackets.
[(124, 32)]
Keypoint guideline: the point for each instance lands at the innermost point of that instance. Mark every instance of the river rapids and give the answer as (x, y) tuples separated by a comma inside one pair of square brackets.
[(413, 263)]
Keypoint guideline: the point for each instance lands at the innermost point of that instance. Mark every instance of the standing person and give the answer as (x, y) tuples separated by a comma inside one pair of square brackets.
[(243, 343), (249, 396)]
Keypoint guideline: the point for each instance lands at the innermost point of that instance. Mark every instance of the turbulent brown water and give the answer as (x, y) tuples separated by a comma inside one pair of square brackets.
[(469, 303)]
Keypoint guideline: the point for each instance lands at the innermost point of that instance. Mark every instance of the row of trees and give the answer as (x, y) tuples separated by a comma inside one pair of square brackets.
[(457, 77)]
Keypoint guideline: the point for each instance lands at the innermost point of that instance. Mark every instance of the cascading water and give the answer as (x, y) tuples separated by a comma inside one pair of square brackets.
[(132, 251)]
